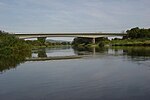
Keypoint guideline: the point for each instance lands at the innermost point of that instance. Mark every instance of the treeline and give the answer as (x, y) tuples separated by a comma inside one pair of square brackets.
[(86, 41), (133, 37), (137, 33), (80, 40), (12, 43), (37, 43), (13, 51)]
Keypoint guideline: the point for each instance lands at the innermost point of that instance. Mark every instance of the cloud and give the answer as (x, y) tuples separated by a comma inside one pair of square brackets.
[(73, 15)]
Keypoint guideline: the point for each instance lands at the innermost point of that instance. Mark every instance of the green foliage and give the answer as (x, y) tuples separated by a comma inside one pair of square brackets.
[(134, 51), (101, 44), (13, 51), (12, 43), (86, 41), (136, 33), (42, 39), (37, 43), (80, 40), (130, 42), (34, 42), (10, 59), (135, 37)]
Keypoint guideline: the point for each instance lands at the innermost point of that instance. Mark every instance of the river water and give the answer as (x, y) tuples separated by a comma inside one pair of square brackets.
[(120, 73)]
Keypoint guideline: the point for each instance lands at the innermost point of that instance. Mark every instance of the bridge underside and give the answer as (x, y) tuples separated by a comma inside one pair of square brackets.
[(92, 37), (85, 35)]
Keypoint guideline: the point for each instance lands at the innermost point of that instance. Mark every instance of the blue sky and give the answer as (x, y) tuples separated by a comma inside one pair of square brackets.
[(73, 15)]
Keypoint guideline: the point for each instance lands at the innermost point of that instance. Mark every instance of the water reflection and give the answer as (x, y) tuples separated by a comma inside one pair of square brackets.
[(89, 50), (107, 74), (53, 51), (42, 53), (135, 53), (11, 61), (131, 53)]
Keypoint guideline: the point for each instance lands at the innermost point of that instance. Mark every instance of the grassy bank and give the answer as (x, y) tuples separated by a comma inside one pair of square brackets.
[(134, 37), (130, 42), (119, 42)]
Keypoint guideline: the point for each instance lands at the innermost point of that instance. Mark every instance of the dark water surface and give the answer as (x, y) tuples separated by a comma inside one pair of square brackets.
[(121, 73)]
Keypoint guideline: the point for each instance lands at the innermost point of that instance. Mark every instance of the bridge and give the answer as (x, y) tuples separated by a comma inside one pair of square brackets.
[(86, 35)]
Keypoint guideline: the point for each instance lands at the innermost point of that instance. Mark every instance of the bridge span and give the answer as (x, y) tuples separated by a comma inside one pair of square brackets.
[(86, 35)]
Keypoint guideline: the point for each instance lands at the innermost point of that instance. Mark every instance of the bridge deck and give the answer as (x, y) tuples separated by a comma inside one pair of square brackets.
[(34, 34), (87, 35)]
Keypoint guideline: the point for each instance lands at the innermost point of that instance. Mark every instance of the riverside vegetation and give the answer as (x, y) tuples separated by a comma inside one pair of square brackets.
[(14, 51), (10, 45), (134, 37)]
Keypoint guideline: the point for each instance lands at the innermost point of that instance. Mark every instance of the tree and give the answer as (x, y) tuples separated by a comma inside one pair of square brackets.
[(136, 32), (42, 39)]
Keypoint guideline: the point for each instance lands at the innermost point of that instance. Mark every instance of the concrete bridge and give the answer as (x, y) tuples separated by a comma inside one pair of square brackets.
[(86, 35)]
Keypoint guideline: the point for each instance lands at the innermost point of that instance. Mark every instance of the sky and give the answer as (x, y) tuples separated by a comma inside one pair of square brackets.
[(73, 15)]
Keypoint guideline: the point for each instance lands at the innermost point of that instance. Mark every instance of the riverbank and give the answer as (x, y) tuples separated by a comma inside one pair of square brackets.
[(119, 42), (133, 37), (10, 44), (130, 42)]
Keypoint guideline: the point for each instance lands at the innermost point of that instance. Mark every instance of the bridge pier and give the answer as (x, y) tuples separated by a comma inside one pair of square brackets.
[(93, 41)]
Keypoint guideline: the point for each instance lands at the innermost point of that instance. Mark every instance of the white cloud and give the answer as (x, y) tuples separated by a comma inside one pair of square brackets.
[(73, 15)]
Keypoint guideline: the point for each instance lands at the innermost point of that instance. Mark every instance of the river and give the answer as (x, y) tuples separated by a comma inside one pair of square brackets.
[(118, 73)]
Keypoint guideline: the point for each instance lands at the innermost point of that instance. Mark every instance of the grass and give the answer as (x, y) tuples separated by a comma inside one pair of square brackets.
[(129, 42)]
